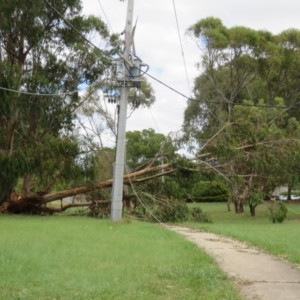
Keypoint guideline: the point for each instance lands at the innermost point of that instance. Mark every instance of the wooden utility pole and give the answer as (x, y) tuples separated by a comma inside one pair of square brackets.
[(119, 165)]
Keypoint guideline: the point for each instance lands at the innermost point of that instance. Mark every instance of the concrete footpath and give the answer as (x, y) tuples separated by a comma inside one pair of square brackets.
[(258, 275)]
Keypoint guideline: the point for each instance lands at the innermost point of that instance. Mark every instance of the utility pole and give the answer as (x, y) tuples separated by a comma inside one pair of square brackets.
[(117, 188)]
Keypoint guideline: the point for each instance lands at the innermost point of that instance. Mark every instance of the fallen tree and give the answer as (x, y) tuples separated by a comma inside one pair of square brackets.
[(37, 203)]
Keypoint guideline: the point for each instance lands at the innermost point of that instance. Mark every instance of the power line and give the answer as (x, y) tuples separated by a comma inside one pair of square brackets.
[(159, 81), (169, 87), (78, 32), (248, 105), (71, 26), (136, 194), (88, 41), (45, 95), (217, 102), (38, 94), (153, 119), (183, 57), (105, 16)]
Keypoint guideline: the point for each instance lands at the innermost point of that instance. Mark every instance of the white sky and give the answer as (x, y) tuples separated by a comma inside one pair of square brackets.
[(157, 43)]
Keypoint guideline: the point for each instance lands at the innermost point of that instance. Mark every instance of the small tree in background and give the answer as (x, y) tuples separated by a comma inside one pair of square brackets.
[(210, 191), (277, 212)]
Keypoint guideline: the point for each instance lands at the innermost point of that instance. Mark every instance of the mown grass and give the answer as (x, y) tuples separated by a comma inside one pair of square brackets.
[(280, 239), (62, 257)]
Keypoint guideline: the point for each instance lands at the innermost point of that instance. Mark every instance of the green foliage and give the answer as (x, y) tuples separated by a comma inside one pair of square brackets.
[(42, 55), (173, 211), (145, 145), (255, 197), (277, 212), (210, 191), (197, 215), (256, 143), (179, 184), (11, 167), (143, 97), (212, 32)]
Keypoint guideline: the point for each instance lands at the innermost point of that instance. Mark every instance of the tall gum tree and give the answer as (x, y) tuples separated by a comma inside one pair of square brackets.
[(240, 63), (40, 53)]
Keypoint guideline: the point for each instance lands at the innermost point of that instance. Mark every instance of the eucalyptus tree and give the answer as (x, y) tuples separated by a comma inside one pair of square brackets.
[(145, 145), (40, 53), (241, 63), (252, 142), (99, 114), (146, 148)]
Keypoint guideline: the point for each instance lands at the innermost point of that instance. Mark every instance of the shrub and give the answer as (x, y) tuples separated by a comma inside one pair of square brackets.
[(173, 211), (199, 216), (277, 212), (210, 191)]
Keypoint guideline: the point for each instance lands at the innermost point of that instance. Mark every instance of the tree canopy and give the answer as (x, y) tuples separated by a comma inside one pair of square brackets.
[(41, 54), (246, 117), (145, 145)]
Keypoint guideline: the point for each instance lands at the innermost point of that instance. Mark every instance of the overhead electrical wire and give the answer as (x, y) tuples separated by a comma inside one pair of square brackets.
[(78, 32), (105, 16), (45, 94), (153, 119), (159, 81), (136, 194), (219, 102), (146, 73), (87, 40), (39, 94), (68, 23), (182, 52)]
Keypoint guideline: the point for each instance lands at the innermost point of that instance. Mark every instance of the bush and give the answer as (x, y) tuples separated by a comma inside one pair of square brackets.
[(210, 191), (173, 211), (199, 216), (277, 212)]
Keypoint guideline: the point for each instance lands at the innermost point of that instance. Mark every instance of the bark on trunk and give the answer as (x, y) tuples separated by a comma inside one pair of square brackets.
[(34, 204), (252, 210), (10, 135), (238, 205), (108, 183), (228, 203), (289, 196), (26, 185)]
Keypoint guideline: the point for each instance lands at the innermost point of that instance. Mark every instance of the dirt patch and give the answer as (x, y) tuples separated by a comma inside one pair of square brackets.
[(258, 274)]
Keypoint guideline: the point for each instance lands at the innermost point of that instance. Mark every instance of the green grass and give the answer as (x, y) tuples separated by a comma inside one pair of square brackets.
[(280, 239), (62, 257)]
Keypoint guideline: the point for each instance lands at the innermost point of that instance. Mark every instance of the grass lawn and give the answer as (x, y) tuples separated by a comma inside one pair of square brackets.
[(280, 239), (63, 257)]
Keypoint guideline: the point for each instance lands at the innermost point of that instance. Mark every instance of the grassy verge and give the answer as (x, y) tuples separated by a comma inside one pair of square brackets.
[(83, 258), (279, 239)]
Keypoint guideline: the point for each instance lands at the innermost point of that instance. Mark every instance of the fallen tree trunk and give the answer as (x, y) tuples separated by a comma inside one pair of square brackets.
[(127, 179), (36, 204)]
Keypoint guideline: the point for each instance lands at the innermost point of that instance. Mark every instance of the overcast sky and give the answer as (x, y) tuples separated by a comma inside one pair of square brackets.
[(157, 43)]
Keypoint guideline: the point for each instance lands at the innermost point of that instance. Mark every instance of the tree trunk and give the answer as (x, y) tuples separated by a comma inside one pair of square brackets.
[(26, 185), (108, 183), (289, 196), (33, 204), (252, 209), (239, 206), (228, 203), (228, 206), (11, 133)]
